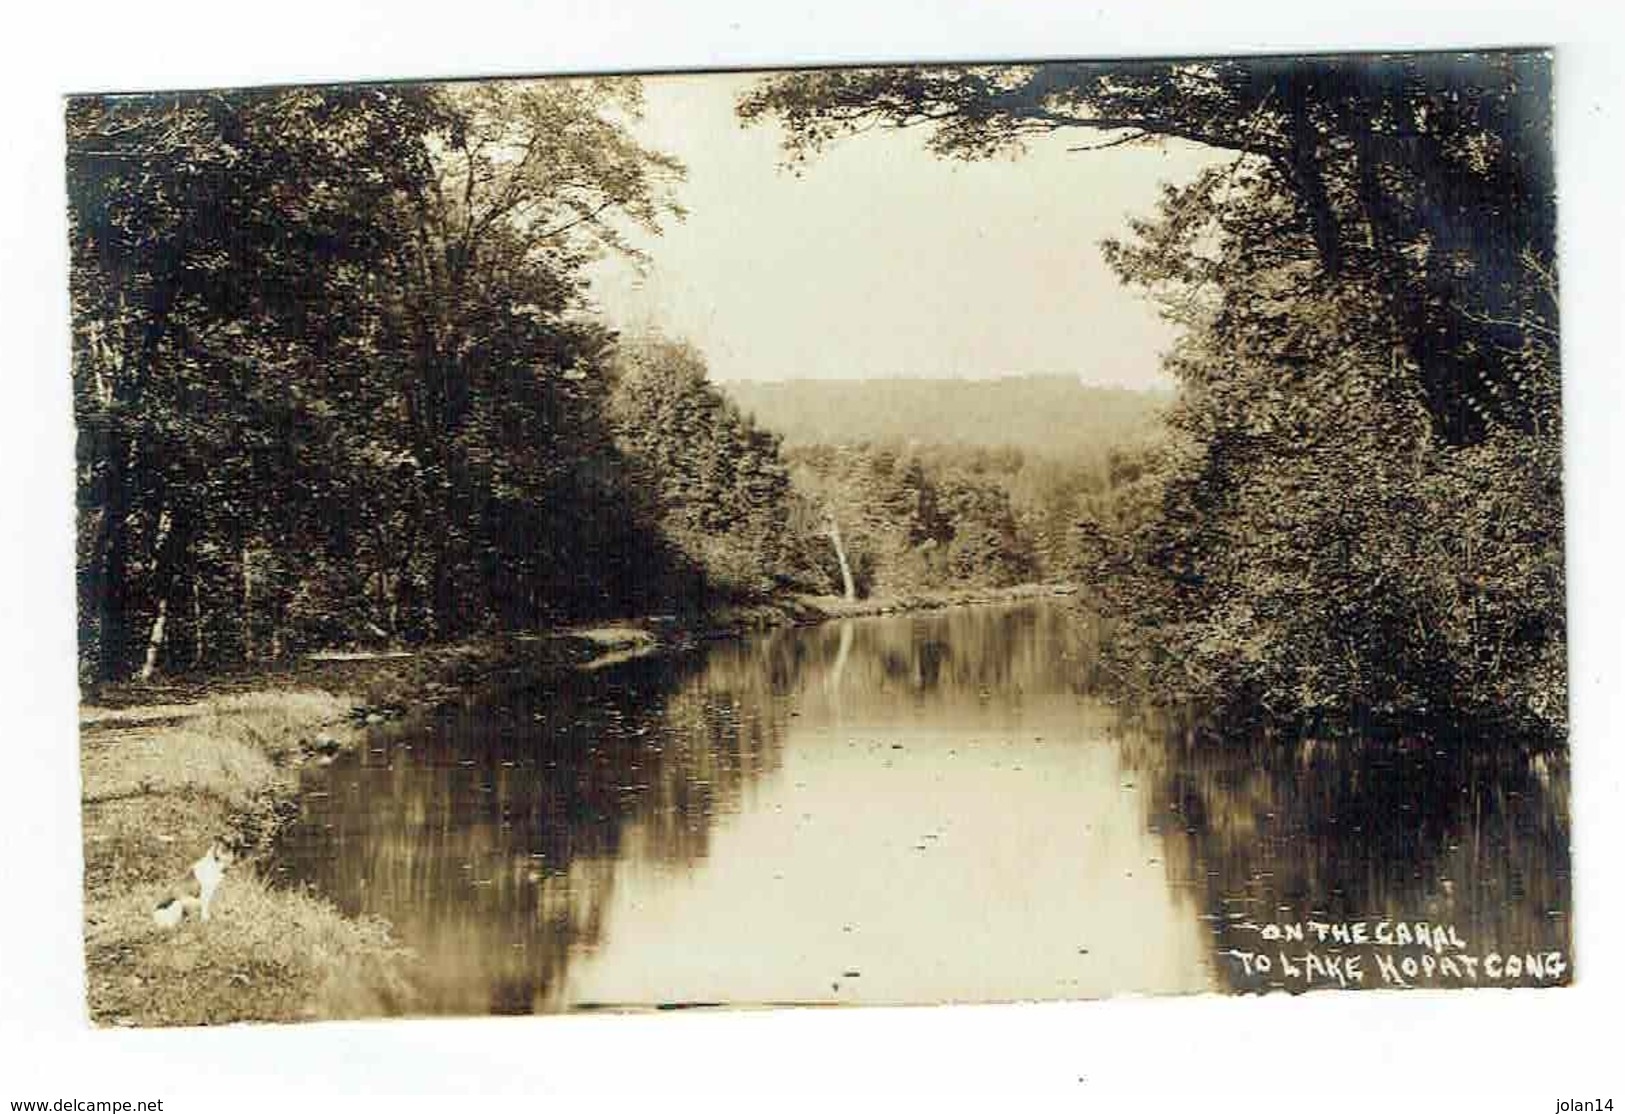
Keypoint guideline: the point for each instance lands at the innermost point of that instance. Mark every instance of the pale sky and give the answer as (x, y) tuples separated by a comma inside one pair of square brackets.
[(883, 260)]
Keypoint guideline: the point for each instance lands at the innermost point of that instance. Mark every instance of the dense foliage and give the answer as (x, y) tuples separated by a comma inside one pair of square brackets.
[(1357, 525), (907, 521), (951, 483), (717, 484), (332, 376)]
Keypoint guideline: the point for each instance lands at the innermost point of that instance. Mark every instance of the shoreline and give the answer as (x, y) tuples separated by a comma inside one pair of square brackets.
[(161, 785), (169, 769)]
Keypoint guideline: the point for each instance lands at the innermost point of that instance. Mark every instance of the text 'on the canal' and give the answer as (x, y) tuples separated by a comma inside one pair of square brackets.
[(1385, 953)]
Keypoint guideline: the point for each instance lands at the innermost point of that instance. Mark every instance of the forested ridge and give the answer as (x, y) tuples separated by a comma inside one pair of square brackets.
[(1355, 525), (1046, 415)]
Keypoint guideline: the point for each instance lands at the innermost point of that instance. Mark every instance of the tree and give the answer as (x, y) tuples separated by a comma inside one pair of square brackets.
[(1318, 558), (501, 396), (333, 371), (898, 522), (720, 489), (211, 238)]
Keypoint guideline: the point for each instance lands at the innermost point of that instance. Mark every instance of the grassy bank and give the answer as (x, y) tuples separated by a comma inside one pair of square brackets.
[(173, 766), (161, 783)]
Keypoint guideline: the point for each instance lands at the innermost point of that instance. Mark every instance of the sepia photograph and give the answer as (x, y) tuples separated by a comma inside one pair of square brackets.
[(901, 535)]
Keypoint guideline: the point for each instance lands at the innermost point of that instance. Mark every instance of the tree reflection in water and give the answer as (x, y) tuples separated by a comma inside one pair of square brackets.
[(489, 835), (1279, 833), (502, 838)]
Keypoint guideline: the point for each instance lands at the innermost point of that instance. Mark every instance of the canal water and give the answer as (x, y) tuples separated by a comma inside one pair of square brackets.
[(917, 809)]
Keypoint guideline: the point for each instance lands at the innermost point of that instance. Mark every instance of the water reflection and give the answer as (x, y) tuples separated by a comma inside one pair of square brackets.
[(1336, 833), (910, 809), (490, 835)]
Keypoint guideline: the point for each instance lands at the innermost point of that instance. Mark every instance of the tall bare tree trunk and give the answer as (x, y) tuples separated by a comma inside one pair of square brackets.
[(848, 588), (155, 640), (198, 651), (395, 590), (110, 587), (278, 612), (165, 549), (248, 605)]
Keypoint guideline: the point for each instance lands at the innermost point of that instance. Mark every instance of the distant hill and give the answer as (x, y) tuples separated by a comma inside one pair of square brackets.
[(1045, 415)]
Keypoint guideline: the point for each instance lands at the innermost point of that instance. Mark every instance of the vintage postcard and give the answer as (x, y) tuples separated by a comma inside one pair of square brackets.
[(882, 536)]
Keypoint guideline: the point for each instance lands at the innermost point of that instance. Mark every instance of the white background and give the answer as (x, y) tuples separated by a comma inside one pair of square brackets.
[(1475, 1050)]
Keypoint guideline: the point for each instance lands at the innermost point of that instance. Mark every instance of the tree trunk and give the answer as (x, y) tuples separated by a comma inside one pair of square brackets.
[(1305, 172), (396, 588), (111, 595), (276, 631), (107, 593), (163, 577), (440, 592), (198, 641), (248, 604), (155, 640), (124, 344), (848, 588)]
